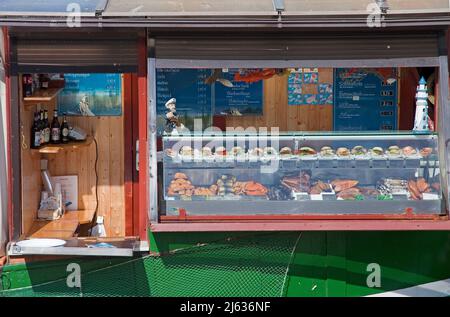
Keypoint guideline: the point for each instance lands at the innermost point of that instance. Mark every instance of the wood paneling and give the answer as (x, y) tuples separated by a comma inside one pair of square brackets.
[(30, 168), (277, 112), (108, 132)]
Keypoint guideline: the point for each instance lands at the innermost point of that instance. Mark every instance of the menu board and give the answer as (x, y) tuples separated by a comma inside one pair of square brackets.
[(195, 97), (187, 86), (241, 99), (96, 94), (365, 99)]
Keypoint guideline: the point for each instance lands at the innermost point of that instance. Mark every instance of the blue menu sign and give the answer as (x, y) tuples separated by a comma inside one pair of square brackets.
[(365, 99), (187, 86), (195, 97), (243, 98), (98, 94)]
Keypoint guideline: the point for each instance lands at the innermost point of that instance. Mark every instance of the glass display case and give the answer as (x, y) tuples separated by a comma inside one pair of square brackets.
[(301, 174)]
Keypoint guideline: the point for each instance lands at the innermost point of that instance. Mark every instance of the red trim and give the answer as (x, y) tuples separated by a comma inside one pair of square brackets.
[(221, 218), (135, 101), (143, 163), (128, 152), (8, 133), (306, 225)]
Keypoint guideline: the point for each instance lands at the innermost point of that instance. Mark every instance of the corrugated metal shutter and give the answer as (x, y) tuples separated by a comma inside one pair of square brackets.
[(88, 54), (318, 47)]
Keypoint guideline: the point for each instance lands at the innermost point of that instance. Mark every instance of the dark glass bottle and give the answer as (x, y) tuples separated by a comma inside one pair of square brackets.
[(46, 128), (42, 126), (27, 85), (55, 136), (65, 131), (44, 81), (35, 138)]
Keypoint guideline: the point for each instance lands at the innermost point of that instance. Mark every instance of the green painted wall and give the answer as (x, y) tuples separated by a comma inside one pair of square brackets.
[(247, 264)]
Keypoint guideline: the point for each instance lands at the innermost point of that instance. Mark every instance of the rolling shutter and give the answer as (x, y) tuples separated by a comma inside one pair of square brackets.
[(301, 47), (68, 52)]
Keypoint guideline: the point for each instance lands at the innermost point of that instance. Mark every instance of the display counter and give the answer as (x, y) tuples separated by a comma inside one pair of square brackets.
[(301, 174)]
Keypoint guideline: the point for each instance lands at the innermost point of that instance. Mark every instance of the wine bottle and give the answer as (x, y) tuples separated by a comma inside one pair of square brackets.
[(65, 131), (35, 139), (55, 137), (27, 85), (42, 126), (46, 128)]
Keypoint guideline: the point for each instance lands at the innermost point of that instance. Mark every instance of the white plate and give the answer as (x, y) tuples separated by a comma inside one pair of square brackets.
[(41, 243)]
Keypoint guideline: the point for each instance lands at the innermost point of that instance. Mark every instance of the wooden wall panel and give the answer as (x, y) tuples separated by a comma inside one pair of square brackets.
[(277, 112), (109, 133), (30, 169)]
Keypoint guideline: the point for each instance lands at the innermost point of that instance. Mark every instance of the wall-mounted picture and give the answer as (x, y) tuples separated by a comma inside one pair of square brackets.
[(325, 88), (310, 99), (325, 99), (310, 78), (239, 92), (91, 95)]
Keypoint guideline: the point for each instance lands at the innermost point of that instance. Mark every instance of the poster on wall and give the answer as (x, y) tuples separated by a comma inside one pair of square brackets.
[(365, 99), (306, 86), (97, 94), (243, 98), (193, 95), (201, 93)]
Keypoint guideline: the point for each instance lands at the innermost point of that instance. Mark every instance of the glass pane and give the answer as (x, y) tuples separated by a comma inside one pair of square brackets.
[(299, 141), (384, 174), (304, 6), (48, 5), (236, 7), (188, 7)]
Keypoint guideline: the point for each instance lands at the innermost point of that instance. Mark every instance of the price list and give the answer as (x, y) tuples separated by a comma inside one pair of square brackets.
[(365, 99), (187, 86)]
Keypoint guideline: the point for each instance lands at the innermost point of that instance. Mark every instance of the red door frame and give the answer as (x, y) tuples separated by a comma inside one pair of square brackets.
[(135, 116), (141, 200), (136, 219), (9, 181)]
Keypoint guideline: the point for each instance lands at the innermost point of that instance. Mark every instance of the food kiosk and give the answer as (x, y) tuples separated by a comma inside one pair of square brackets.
[(280, 166), (243, 174)]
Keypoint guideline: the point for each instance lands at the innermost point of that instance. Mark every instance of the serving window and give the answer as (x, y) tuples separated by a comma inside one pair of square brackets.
[(74, 165), (298, 142)]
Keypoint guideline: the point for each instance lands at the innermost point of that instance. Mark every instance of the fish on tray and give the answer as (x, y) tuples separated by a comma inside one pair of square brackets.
[(320, 187), (343, 184), (349, 193), (414, 190), (299, 183), (255, 189)]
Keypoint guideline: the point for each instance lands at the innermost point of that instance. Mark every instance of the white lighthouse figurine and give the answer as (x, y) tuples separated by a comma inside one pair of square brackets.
[(421, 118)]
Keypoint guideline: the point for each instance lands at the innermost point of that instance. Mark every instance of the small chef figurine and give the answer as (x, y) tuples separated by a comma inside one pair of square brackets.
[(421, 118), (172, 122)]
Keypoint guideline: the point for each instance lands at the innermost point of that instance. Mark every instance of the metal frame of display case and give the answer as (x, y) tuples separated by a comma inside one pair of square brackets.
[(444, 137), (368, 170)]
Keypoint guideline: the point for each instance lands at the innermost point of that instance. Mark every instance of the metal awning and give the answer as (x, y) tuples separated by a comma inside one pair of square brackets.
[(264, 7), (223, 14)]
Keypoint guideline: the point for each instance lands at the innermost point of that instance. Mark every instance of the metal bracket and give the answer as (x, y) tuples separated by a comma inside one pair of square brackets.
[(137, 155)]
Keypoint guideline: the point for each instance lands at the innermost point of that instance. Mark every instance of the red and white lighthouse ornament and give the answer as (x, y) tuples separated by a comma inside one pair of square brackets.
[(421, 118)]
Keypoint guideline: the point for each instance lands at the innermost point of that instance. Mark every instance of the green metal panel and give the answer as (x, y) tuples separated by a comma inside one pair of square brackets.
[(247, 264)]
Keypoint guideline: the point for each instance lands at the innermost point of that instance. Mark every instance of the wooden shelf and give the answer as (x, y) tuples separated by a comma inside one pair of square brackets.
[(55, 148), (63, 228), (82, 216), (57, 229), (41, 96)]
